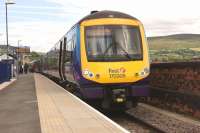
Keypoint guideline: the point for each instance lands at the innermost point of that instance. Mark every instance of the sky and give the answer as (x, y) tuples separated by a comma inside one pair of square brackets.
[(41, 23)]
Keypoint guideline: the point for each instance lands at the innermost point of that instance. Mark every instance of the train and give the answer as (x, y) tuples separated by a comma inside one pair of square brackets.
[(105, 57)]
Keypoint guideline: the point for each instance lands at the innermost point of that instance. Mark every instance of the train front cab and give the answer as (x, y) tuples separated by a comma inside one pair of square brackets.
[(114, 57)]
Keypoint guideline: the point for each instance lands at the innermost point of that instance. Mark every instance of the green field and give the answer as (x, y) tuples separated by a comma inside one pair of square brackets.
[(180, 47), (178, 41)]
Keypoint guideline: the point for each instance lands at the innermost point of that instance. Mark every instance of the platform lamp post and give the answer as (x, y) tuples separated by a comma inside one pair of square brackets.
[(8, 2), (1, 34), (2, 37), (18, 56)]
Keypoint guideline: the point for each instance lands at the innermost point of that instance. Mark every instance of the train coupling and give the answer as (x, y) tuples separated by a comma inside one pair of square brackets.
[(119, 96), (116, 97)]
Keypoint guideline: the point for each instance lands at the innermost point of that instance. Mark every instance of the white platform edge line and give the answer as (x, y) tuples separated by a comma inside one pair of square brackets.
[(105, 117), (7, 83)]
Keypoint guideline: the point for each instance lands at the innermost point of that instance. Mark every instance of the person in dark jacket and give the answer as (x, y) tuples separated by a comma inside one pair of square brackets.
[(26, 66)]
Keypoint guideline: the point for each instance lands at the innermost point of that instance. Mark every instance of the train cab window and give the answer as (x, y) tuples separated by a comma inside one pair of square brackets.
[(113, 43)]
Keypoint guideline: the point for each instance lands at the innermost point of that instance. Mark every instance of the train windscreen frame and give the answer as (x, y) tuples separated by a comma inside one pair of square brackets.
[(105, 43)]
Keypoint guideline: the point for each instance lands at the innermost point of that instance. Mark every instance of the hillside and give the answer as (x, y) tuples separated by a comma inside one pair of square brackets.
[(179, 47), (178, 41)]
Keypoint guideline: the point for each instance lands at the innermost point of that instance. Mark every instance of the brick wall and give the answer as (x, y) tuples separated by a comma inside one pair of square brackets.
[(182, 77), (176, 87)]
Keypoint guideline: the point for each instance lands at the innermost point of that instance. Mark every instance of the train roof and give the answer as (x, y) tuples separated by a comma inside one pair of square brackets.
[(103, 14), (106, 14)]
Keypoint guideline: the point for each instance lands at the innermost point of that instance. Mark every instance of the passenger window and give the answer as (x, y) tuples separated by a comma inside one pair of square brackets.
[(68, 51)]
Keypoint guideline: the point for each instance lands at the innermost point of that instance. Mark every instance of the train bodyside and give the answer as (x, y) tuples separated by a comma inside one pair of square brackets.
[(52, 62)]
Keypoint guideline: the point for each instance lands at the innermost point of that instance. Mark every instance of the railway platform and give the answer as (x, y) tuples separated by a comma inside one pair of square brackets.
[(35, 104)]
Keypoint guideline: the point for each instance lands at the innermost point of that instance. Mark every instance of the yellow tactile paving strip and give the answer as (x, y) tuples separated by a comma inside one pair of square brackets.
[(60, 112)]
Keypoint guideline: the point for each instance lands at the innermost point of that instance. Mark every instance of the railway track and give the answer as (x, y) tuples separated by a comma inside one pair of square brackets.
[(145, 125), (132, 123), (148, 119), (164, 120)]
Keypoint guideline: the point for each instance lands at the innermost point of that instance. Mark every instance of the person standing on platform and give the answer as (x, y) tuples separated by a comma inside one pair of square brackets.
[(26, 68), (21, 69)]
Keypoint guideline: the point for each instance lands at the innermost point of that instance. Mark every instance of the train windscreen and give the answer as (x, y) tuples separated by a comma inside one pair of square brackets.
[(113, 43)]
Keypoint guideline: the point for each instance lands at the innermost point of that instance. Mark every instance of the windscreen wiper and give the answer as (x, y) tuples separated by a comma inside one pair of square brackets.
[(104, 53), (126, 53)]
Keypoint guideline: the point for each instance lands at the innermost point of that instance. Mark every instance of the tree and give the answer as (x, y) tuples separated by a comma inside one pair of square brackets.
[(34, 56)]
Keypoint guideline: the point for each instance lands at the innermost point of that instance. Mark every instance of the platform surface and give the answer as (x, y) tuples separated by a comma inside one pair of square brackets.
[(35, 104), (60, 111), (18, 107)]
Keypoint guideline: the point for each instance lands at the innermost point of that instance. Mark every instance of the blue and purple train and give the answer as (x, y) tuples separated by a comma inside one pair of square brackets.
[(104, 57)]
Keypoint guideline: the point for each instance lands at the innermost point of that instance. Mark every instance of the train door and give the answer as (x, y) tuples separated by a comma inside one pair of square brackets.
[(68, 65), (63, 58), (60, 61), (69, 68), (72, 57)]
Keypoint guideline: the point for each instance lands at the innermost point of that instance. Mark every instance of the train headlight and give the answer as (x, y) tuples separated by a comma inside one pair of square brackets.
[(143, 72), (88, 73), (85, 72)]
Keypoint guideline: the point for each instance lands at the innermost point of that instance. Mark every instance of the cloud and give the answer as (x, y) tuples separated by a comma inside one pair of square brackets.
[(159, 17), (42, 26), (41, 36), (167, 27)]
